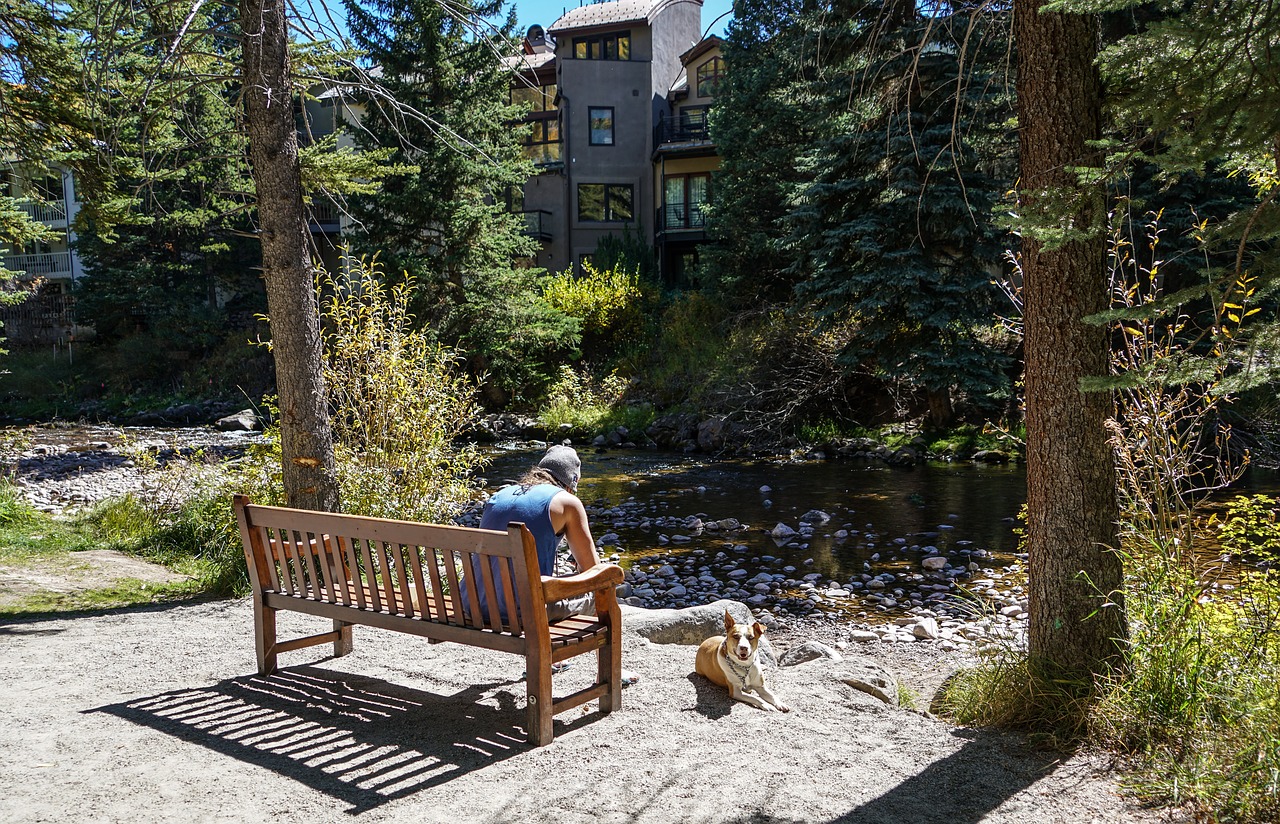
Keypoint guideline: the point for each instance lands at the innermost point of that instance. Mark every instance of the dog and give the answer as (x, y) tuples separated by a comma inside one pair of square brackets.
[(730, 661)]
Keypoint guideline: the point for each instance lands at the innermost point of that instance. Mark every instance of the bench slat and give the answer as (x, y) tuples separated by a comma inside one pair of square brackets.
[(490, 593), (402, 581), (419, 583), (371, 576), (514, 619), (316, 544), (460, 538), (353, 570)]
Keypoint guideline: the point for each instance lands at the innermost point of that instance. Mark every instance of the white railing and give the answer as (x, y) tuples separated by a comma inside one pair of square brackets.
[(49, 264), (50, 211)]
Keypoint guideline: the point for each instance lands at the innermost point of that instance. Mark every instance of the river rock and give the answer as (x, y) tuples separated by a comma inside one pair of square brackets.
[(808, 651), (246, 420), (869, 677), (934, 563), (782, 532), (815, 516), (711, 434)]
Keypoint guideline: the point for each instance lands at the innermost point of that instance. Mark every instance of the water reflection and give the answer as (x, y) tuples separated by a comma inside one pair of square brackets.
[(883, 510)]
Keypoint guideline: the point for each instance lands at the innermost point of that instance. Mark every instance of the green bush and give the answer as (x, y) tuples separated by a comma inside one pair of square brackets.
[(398, 402), (609, 303), (592, 406)]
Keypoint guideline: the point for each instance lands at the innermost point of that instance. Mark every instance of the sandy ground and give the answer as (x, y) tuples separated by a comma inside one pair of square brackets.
[(155, 715)]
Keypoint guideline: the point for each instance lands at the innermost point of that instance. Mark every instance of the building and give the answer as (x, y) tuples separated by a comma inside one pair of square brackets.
[(47, 195), (607, 85)]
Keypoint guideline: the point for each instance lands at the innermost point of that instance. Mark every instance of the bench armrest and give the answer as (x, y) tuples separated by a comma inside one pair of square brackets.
[(600, 576)]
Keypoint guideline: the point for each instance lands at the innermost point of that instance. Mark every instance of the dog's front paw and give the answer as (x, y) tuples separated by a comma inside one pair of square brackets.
[(781, 706)]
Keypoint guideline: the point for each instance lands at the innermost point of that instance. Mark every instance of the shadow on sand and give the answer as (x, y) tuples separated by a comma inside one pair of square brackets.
[(358, 739)]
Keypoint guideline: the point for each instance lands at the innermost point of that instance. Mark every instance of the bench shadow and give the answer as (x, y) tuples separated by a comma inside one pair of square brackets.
[(358, 739)]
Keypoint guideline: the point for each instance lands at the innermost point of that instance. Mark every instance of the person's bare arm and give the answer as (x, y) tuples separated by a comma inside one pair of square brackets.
[(569, 517)]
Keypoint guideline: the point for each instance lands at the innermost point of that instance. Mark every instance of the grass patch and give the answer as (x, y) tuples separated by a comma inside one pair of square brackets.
[(198, 539), (1195, 715)]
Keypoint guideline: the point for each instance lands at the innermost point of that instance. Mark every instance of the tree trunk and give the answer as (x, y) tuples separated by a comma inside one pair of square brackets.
[(306, 440), (1077, 621)]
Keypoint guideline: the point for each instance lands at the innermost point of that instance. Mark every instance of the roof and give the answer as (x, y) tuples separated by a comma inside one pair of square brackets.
[(529, 62), (610, 13), (702, 47)]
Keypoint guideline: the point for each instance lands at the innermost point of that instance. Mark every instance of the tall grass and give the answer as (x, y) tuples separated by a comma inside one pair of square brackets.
[(1196, 711)]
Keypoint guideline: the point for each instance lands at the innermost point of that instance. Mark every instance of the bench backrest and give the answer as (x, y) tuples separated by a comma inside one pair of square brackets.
[(394, 567)]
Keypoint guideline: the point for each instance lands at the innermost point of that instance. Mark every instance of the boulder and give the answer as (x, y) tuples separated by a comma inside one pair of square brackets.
[(691, 625), (815, 516), (711, 434), (808, 651), (868, 676), (246, 420)]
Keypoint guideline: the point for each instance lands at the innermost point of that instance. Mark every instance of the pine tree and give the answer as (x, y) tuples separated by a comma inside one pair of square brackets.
[(448, 224), (894, 235), (161, 267), (762, 122)]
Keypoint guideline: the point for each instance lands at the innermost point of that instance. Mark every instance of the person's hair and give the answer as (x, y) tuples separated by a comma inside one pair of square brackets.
[(537, 475)]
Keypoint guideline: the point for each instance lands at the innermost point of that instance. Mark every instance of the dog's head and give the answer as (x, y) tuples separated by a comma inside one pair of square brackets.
[(741, 640)]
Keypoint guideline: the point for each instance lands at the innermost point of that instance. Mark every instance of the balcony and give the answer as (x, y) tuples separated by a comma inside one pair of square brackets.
[(682, 217), (546, 157), (686, 127), (324, 217), (46, 265), (537, 224), (49, 212)]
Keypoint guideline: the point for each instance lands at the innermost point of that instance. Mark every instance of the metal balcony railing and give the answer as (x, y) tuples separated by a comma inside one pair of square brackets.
[(537, 223), (48, 264), (48, 211), (689, 125), (324, 216), (676, 217)]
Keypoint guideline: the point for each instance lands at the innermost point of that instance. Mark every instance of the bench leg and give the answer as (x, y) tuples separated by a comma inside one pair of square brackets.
[(264, 625), (342, 644), (538, 687), (609, 671)]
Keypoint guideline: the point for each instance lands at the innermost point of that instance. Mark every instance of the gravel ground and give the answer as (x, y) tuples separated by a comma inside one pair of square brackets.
[(155, 715)]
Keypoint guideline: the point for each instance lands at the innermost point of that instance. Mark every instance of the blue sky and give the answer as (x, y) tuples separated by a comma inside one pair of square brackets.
[(546, 12)]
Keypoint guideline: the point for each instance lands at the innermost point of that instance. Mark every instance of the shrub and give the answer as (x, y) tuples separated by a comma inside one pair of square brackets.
[(609, 303), (398, 402)]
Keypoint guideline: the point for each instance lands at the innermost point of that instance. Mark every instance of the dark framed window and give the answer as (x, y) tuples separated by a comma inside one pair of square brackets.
[(537, 98), (709, 76), (605, 202), (542, 145), (600, 119), (684, 200), (615, 46)]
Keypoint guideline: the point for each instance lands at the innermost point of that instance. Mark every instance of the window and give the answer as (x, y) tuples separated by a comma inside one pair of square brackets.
[(604, 202), (683, 200), (542, 145), (709, 75), (601, 120), (616, 46), (536, 98)]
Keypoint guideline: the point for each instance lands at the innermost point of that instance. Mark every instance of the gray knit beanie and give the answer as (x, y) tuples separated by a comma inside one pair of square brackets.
[(564, 465)]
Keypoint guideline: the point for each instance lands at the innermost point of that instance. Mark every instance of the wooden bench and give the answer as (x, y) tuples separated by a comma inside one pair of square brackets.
[(408, 577)]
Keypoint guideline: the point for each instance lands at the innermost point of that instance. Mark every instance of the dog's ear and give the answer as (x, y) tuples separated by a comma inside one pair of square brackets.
[(728, 622), (757, 629)]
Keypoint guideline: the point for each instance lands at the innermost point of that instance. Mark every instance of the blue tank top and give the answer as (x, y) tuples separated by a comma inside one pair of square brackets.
[(531, 506)]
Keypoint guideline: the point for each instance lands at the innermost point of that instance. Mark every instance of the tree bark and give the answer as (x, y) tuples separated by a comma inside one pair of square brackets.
[(1077, 621), (306, 440)]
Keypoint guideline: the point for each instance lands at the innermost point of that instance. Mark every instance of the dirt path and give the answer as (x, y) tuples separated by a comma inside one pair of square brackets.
[(153, 715)]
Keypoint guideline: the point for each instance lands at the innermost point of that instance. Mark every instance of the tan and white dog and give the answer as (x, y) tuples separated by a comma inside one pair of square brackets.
[(730, 661)]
